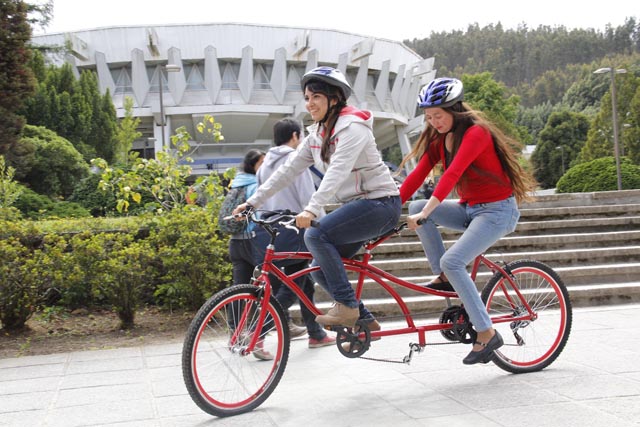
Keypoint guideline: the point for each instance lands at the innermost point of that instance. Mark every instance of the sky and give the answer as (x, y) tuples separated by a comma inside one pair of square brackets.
[(399, 20)]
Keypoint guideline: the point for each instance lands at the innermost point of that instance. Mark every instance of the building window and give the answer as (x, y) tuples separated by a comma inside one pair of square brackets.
[(194, 73), (261, 76), (157, 75), (293, 77), (122, 79), (230, 76)]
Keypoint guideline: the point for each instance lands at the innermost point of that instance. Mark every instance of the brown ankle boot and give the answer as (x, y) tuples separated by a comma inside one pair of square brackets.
[(339, 314)]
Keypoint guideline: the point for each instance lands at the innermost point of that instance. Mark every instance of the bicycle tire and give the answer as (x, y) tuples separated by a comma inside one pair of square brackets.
[(220, 376), (533, 345)]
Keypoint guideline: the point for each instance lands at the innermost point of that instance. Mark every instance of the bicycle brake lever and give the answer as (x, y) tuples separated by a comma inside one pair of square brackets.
[(290, 226)]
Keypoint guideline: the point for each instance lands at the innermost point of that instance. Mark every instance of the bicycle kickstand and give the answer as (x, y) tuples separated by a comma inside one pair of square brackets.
[(413, 347)]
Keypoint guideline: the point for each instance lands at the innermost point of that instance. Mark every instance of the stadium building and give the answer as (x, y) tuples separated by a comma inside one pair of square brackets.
[(246, 76)]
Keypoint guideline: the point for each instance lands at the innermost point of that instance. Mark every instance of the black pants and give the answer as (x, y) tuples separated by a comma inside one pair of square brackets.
[(289, 241), (242, 260)]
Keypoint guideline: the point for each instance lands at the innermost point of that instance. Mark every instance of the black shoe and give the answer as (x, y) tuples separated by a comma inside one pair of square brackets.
[(486, 354), (444, 286)]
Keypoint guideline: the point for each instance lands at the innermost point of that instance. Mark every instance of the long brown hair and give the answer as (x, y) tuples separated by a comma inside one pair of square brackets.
[(330, 119), (507, 148)]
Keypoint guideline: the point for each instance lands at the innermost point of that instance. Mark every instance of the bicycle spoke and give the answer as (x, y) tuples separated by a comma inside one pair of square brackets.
[(532, 344)]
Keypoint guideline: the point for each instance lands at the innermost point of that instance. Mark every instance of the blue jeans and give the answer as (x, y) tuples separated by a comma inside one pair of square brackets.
[(342, 233), (482, 225)]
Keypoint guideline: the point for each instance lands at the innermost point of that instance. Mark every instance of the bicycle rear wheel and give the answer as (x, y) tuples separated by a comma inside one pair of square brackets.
[(221, 377), (530, 345)]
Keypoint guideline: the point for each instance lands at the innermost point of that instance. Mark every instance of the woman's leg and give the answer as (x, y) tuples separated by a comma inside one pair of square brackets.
[(346, 251), (450, 214), (241, 256), (353, 222), (488, 223)]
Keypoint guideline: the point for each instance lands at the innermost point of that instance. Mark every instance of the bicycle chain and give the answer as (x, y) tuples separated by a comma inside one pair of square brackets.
[(374, 359)]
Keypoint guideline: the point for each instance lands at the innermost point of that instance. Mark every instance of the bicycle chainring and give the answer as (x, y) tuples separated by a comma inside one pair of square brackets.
[(461, 329), (354, 342)]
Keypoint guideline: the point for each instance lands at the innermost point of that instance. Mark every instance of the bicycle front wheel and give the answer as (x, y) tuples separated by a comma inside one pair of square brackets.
[(530, 345), (222, 377)]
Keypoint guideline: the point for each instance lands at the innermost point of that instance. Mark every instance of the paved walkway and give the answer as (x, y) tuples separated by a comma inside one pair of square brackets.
[(595, 382)]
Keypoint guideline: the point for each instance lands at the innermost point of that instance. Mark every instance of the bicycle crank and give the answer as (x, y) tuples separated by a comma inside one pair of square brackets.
[(354, 342), (461, 328)]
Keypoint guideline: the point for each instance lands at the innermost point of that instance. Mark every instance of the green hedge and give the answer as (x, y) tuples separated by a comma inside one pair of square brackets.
[(174, 261), (599, 175)]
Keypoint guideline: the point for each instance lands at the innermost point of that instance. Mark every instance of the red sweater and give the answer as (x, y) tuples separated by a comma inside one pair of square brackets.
[(483, 179)]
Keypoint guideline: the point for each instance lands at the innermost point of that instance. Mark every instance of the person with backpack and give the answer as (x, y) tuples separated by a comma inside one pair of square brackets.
[(240, 244), (341, 145), (286, 137)]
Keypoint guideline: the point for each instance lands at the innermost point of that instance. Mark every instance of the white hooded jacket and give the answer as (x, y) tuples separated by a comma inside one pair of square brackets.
[(355, 170)]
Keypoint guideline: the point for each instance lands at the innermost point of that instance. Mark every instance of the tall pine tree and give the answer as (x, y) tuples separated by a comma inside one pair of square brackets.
[(16, 78)]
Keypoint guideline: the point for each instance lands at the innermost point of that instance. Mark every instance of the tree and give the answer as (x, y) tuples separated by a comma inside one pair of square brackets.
[(600, 138), (485, 94), (163, 177), (10, 190), (534, 119), (54, 166), (560, 142), (126, 132), (74, 109), (16, 79), (631, 134)]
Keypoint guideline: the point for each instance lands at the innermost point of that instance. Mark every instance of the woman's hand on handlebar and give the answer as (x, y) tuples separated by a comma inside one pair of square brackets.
[(239, 210), (304, 219), (412, 220)]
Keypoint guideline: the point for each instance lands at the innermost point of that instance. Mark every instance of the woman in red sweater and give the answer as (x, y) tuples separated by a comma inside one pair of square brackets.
[(480, 164)]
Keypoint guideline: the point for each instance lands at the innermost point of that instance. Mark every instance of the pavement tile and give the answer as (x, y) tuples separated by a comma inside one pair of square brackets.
[(594, 382)]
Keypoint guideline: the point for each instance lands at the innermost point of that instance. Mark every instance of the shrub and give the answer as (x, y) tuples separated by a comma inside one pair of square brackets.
[(599, 175), (17, 296), (123, 276), (192, 255), (33, 205), (67, 210), (26, 276), (96, 201)]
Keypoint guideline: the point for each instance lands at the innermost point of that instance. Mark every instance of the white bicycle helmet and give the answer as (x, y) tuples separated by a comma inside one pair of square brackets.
[(328, 75), (442, 93)]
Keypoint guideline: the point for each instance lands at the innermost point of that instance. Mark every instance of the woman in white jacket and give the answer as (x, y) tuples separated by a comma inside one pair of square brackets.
[(286, 137), (341, 145)]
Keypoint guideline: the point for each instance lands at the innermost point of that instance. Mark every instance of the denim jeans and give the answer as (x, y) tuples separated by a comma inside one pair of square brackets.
[(482, 224), (342, 233)]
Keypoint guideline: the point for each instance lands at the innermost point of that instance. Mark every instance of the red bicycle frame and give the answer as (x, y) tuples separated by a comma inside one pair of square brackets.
[(365, 270)]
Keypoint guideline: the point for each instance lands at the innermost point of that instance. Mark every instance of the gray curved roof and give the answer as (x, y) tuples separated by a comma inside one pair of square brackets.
[(247, 76)]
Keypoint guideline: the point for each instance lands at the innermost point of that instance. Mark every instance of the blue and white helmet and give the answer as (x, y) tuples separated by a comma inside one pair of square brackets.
[(441, 93), (329, 75)]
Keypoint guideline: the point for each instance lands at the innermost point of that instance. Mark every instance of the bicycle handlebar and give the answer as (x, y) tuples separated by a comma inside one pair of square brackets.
[(287, 218), (283, 217)]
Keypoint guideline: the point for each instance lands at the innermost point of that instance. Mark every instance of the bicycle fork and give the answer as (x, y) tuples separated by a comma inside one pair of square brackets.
[(246, 322)]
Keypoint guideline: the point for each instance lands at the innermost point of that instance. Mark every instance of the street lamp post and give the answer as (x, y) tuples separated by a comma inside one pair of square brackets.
[(561, 148), (614, 115), (170, 68)]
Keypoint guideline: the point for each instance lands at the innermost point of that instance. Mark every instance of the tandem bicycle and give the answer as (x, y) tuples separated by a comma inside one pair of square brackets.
[(526, 300)]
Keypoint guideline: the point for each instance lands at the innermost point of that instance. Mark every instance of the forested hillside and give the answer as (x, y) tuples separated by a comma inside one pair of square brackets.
[(520, 57)]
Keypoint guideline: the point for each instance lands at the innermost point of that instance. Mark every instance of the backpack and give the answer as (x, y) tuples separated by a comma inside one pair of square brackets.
[(236, 196)]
